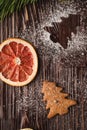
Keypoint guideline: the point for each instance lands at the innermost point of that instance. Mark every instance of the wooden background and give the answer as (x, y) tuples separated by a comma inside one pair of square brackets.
[(72, 78)]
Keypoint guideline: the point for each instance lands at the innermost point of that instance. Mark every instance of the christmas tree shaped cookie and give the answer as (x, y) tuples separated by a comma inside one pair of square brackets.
[(56, 100)]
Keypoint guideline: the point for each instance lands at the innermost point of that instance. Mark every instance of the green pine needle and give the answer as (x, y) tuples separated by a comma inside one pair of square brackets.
[(7, 7)]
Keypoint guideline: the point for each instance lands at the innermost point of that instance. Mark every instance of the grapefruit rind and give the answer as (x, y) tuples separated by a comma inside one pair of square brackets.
[(35, 60)]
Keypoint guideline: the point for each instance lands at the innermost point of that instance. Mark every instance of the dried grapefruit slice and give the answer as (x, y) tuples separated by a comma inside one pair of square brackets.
[(18, 62)]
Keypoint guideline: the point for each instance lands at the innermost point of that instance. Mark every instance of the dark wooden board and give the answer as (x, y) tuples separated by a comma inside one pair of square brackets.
[(73, 78)]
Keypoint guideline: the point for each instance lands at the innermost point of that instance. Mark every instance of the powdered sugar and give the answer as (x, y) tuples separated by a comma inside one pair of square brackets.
[(25, 99)]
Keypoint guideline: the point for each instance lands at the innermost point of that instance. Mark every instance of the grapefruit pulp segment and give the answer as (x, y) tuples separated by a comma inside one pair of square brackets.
[(20, 49), (27, 69), (8, 72), (23, 76), (14, 47), (4, 58), (8, 51)]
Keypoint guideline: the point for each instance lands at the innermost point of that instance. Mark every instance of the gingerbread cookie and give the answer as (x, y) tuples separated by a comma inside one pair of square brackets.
[(56, 100)]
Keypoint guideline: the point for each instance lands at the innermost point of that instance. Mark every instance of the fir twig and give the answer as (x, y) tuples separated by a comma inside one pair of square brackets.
[(7, 7)]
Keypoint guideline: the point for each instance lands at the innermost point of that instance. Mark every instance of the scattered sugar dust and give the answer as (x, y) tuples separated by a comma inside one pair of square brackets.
[(41, 38), (77, 47)]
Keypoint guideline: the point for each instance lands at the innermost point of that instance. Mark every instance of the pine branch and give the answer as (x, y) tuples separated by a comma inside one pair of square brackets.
[(7, 7)]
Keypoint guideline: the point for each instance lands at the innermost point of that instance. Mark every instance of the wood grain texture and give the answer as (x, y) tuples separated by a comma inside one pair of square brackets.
[(72, 79)]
